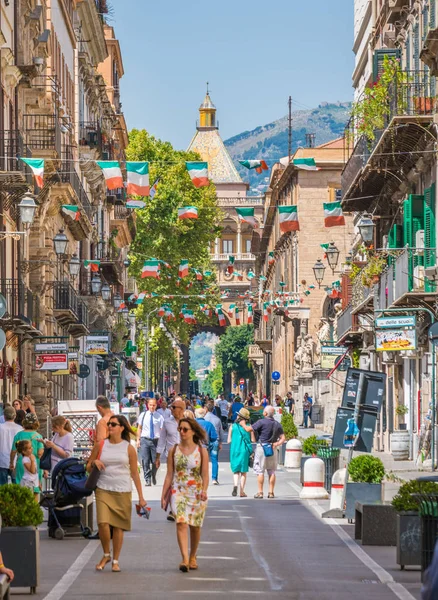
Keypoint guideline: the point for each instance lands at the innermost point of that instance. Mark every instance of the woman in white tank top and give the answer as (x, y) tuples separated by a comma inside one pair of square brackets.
[(116, 460)]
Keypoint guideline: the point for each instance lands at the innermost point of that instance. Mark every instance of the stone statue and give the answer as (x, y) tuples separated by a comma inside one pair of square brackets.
[(323, 334), (307, 355), (338, 310), (298, 355)]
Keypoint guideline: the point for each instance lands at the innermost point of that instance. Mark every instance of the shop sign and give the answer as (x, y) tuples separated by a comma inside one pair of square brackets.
[(330, 355), (298, 313), (53, 347), (96, 344), (51, 362), (395, 322), (73, 365), (394, 340)]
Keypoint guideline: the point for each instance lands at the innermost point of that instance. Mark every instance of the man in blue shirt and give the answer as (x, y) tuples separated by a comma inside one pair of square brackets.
[(235, 407), (209, 427)]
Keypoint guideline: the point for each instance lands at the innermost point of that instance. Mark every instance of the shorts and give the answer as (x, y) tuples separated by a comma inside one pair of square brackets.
[(263, 463), (30, 485)]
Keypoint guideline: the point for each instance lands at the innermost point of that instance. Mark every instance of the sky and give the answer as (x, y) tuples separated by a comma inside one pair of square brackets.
[(253, 54)]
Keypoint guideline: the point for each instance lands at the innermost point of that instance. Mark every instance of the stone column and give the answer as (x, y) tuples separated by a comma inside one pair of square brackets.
[(216, 246), (239, 240)]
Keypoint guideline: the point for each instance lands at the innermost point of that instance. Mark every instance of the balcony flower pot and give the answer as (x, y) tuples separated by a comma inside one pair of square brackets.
[(424, 104)]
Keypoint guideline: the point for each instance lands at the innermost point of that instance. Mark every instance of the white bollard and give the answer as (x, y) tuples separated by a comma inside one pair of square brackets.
[(314, 474), (338, 482), (294, 452)]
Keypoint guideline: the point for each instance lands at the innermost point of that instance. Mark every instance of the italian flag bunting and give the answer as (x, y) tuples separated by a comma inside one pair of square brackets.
[(154, 189), (151, 268), (250, 314), (37, 166), (230, 267), (265, 311), (183, 269), (288, 216), (333, 214), (246, 215), (258, 165), (112, 173), (138, 178), (236, 313), (135, 204), (271, 258), (221, 317), (188, 212), (308, 164), (198, 172), (71, 211), (140, 298), (92, 265)]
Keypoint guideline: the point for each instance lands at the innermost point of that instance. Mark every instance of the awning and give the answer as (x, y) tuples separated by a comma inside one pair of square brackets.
[(132, 380)]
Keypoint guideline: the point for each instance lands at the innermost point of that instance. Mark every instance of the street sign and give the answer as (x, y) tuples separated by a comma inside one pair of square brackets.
[(2, 339), (374, 389), (433, 334), (84, 371), (241, 386), (276, 375), (102, 365), (242, 381), (3, 306)]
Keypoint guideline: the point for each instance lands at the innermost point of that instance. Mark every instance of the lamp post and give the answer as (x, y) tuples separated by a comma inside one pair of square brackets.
[(117, 301), (332, 254), (96, 284), (74, 265), (318, 271), (27, 208), (60, 242), (366, 228), (106, 292)]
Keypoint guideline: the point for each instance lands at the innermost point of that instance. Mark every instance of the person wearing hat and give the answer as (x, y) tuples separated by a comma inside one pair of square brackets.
[(240, 436), (30, 426)]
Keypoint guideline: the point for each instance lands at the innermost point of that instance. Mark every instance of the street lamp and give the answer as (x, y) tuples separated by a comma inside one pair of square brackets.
[(27, 208), (74, 265), (96, 284), (366, 228), (332, 254), (60, 242), (106, 292), (318, 271), (132, 319), (117, 301), (162, 325)]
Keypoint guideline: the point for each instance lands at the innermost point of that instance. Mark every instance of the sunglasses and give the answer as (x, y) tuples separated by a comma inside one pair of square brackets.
[(184, 429), (113, 424)]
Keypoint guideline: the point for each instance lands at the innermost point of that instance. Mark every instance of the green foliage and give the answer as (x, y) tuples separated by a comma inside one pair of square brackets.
[(366, 469), (161, 235), (311, 445), (289, 427), (192, 374), (401, 409), (214, 383), (375, 266), (18, 507), (355, 358), (232, 350), (403, 500)]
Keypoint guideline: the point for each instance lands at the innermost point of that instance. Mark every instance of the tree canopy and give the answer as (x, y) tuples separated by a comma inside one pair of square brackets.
[(232, 350)]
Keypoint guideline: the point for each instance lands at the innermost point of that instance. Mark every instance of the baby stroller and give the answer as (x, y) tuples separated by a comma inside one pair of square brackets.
[(68, 482)]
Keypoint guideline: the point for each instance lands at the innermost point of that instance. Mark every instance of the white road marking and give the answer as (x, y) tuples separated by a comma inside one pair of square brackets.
[(208, 579), (73, 572), (253, 578), (217, 557), (222, 592), (386, 578), (228, 530)]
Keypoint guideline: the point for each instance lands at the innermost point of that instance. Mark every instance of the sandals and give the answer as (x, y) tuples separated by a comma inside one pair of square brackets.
[(243, 495), (259, 495), (193, 565), (271, 495), (107, 559), (234, 492), (183, 567), (116, 568)]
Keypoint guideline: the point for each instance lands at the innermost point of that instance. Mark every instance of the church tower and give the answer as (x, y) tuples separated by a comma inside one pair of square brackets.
[(207, 114)]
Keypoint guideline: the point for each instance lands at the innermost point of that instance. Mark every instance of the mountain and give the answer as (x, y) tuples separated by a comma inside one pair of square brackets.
[(270, 142)]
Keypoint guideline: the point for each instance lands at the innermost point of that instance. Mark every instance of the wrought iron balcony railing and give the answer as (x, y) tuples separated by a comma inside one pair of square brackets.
[(121, 212), (90, 134), (68, 174), (42, 132), (20, 302), (65, 298), (12, 146)]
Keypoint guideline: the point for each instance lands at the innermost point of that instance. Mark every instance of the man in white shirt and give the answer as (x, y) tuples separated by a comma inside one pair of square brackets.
[(149, 428), (8, 429), (163, 410), (224, 408)]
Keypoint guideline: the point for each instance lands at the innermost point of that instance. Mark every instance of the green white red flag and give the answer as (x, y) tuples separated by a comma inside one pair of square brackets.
[(112, 173), (135, 203), (308, 164), (188, 212), (258, 165), (151, 268), (288, 217), (236, 314), (72, 211), (37, 166), (221, 317), (137, 174), (250, 314), (246, 215), (333, 215), (183, 269), (271, 258), (92, 265), (198, 172)]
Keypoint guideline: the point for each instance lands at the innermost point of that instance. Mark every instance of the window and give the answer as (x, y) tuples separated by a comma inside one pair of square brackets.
[(335, 192), (227, 246), (248, 245)]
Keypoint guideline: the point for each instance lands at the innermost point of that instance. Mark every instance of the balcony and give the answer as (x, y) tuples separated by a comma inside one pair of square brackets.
[(361, 296), (82, 326), (111, 264), (22, 313), (15, 176), (82, 228), (225, 257), (374, 168), (241, 201), (90, 139), (65, 303), (348, 328), (123, 219), (43, 135), (118, 198)]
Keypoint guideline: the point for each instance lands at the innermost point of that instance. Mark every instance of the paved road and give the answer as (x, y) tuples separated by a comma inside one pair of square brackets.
[(276, 548)]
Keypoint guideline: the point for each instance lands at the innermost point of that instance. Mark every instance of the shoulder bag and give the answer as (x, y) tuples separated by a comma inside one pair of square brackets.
[(93, 477), (46, 460), (267, 446), (250, 450)]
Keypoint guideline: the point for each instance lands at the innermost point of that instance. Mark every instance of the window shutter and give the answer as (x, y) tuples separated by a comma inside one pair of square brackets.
[(416, 32), (429, 233), (413, 221), (432, 13), (346, 291), (395, 237), (379, 57)]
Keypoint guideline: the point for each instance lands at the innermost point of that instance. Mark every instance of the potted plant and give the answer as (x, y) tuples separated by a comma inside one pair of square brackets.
[(371, 273), (400, 411), (409, 521), (365, 476), (19, 539), (290, 431), (310, 449)]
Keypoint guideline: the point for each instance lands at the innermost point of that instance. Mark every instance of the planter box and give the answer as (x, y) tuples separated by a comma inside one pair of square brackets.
[(303, 460), (20, 549), (408, 539), (361, 492)]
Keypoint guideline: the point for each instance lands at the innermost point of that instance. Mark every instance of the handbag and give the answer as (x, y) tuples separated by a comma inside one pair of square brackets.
[(251, 452), (93, 477), (46, 460), (268, 450)]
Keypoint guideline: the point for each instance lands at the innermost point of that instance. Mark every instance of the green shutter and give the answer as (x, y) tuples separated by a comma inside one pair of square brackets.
[(413, 221), (379, 57), (429, 234), (416, 32), (395, 236)]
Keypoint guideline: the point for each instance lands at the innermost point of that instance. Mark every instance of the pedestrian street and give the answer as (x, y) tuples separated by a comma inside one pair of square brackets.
[(277, 548)]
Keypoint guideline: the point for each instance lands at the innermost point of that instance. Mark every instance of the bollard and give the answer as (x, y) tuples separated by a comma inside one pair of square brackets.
[(294, 452), (313, 485), (338, 482)]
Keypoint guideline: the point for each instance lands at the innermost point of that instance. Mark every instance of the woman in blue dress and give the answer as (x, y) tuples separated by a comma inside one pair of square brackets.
[(240, 436)]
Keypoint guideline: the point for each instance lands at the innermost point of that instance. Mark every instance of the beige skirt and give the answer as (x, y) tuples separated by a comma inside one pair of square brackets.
[(114, 508)]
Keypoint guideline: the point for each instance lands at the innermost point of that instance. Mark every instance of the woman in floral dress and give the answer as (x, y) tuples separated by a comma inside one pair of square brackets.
[(187, 478)]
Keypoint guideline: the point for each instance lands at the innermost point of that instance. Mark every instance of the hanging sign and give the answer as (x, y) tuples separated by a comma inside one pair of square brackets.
[(96, 344), (51, 362), (50, 347), (330, 355), (394, 340), (73, 365), (394, 322), (3, 306)]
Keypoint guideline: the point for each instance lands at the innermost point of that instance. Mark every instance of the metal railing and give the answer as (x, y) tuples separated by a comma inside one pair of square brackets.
[(360, 292), (121, 212), (241, 256), (43, 132), (12, 146), (65, 297), (83, 316), (346, 322), (68, 174), (106, 252), (90, 134), (19, 302), (241, 201)]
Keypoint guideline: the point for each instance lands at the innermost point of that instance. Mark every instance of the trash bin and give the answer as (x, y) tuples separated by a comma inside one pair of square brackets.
[(330, 456), (428, 508)]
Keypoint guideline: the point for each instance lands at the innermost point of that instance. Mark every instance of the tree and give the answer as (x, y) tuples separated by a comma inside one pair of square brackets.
[(232, 350), (161, 235), (213, 384)]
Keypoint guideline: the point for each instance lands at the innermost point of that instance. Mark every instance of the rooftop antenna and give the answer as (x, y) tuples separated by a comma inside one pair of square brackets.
[(207, 89), (290, 129)]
